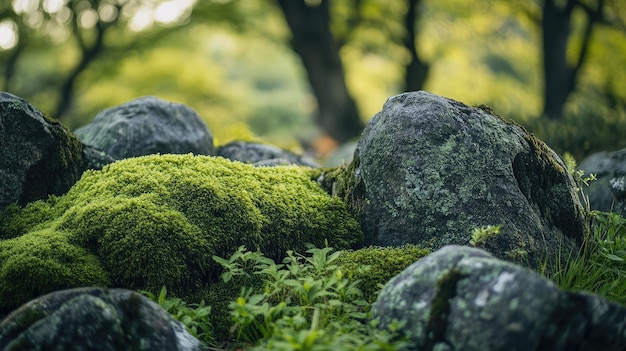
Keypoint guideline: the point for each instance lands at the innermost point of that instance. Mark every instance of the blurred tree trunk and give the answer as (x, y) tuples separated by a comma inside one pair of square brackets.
[(559, 75), (417, 70), (313, 41)]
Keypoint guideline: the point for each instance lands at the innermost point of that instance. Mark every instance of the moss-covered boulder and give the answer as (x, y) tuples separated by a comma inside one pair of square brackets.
[(146, 222), (38, 156), (460, 298), (428, 170), (145, 126), (94, 319)]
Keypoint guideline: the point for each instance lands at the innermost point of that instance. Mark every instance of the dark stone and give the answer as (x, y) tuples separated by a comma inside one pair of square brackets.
[(262, 155), (94, 319), (431, 169), (608, 192), (462, 298), (146, 126), (95, 158), (38, 156)]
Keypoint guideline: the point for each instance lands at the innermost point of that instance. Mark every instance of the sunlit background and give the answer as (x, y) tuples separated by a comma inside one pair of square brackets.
[(234, 62)]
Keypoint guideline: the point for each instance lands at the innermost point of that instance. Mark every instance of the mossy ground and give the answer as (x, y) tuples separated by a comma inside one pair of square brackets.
[(158, 220)]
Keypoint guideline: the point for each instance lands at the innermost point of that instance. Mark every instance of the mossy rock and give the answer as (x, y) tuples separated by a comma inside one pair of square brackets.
[(375, 266), (428, 170), (158, 220), (44, 261), (38, 156)]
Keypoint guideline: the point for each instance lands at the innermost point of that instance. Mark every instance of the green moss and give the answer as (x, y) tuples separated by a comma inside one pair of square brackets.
[(342, 182), (16, 221), (375, 266), (44, 261), (158, 220)]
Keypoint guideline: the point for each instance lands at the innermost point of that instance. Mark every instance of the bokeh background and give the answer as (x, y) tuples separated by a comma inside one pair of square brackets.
[(307, 75)]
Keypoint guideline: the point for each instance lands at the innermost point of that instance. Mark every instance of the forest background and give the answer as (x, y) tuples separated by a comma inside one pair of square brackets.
[(310, 73)]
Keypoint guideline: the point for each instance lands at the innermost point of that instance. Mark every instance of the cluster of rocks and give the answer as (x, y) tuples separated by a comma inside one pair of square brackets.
[(40, 157), (426, 170)]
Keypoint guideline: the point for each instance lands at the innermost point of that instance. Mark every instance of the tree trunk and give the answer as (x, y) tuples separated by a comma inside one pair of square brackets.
[(312, 40), (558, 75), (416, 70)]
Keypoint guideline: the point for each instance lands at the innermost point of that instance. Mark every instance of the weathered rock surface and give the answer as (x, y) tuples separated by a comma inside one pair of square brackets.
[(431, 169), (608, 192), (462, 298), (262, 155), (146, 126), (94, 319), (38, 156)]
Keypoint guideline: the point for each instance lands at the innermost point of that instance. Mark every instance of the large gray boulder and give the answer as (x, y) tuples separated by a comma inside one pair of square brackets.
[(608, 192), (462, 298), (38, 156), (94, 319), (145, 126), (262, 155), (429, 169)]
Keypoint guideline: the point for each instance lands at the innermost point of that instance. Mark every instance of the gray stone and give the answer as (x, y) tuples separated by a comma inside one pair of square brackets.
[(38, 156), (146, 126), (95, 158), (608, 192), (343, 155), (431, 169), (462, 298), (262, 155), (94, 319)]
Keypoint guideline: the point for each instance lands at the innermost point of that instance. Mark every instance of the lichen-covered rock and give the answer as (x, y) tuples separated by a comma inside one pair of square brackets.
[(608, 192), (429, 169), (262, 155), (94, 319), (158, 220), (462, 298), (38, 156), (146, 126)]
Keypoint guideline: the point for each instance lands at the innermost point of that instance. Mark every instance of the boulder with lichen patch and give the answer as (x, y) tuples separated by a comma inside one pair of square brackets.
[(461, 298), (38, 156), (158, 220), (94, 319), (427, 170), (608, 192), (145, 126)]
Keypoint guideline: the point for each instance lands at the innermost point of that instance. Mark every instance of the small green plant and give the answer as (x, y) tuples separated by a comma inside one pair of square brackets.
[(480, 235), (579, 178), (193, 316), (305, 303)]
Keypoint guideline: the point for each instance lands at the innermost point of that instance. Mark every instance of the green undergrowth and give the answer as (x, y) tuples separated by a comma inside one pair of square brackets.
[(317, 301), (600, 265), (321, 300), (145, 222)]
